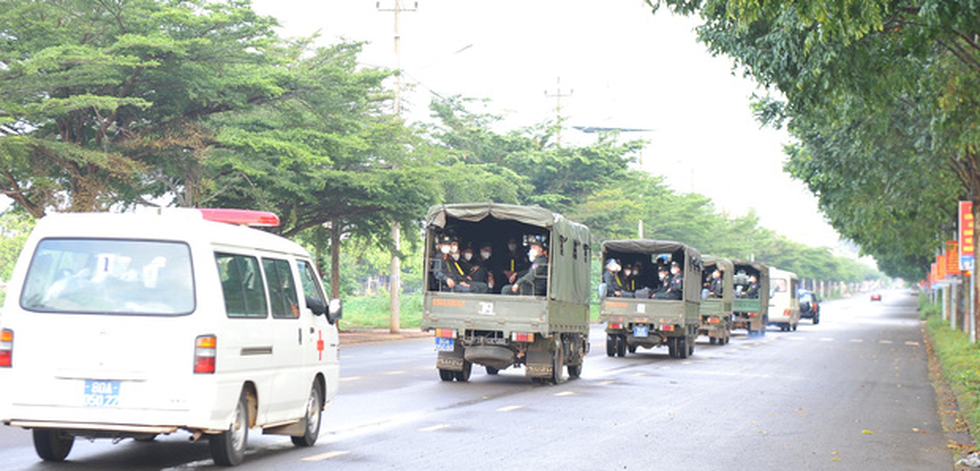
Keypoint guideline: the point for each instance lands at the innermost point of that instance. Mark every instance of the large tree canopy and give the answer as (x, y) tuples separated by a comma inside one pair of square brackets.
[(882, 97)]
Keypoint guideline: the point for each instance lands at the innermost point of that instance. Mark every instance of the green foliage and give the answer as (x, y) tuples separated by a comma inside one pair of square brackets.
[(372, 312), (883, 100)]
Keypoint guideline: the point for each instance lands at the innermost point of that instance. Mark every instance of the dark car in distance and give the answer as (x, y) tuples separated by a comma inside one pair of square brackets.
[(810, 306)]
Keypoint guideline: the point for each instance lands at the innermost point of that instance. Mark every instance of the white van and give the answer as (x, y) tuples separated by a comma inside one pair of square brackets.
[(134, 325), (784, 302)]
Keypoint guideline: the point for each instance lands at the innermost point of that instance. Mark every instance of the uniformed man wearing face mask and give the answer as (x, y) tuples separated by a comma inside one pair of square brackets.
[(457, 278), (615, 286), (489, 265), (439, 266), (476, 275), (534, 280), (675, 290), (663, 277), (515, 261)]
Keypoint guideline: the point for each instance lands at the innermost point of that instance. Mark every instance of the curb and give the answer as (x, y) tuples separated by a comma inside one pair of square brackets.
[(351, 337)]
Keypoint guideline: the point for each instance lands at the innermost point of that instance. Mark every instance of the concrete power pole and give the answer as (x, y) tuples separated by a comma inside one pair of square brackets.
[(395, 281), (558, 96)]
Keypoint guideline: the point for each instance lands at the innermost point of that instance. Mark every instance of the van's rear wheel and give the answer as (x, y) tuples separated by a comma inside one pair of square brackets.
[(314, 408), (228, 447), (52, 444)]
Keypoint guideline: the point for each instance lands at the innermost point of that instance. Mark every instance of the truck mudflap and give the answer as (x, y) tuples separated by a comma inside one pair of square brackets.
[(451, 360)]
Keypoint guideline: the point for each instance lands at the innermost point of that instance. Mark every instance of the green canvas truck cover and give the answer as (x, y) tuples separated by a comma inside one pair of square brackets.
[(570, 242), (692, 282)]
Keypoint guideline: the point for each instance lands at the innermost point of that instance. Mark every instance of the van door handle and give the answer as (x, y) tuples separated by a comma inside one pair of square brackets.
[(299, 335)]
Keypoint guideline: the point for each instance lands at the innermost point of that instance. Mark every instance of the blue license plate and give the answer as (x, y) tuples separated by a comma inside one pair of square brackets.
[(101, 393), (444, 344), (641, 331)]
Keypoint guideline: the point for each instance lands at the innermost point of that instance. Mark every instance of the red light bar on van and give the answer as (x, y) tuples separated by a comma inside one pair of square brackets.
[(244, 217)]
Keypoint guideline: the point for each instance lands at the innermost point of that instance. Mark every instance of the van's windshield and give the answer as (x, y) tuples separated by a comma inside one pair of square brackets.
[(109, 276)]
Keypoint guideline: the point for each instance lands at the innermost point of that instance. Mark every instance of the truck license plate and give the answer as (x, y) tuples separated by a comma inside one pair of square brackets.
[(444, 344), (641, 331), (101, 393)]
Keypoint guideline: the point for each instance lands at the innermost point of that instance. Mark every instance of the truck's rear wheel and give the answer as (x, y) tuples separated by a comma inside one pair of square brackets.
[(621, 346), (574, 371), (52, 444), (557, 363), (446, 375), (682, 348), (492, 371), (464, 376), (672, 347), (611, 345)]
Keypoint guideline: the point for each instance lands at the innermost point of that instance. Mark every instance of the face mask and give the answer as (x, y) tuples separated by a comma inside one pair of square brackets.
[(662, 275), (455, 256), (454, 248), (485, 254), (467, 256), (512, 247), (628, 272), (674, 271), (444, 249), (532, 254)]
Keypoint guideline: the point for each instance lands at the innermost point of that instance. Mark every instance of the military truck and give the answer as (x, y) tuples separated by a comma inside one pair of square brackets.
[(751, 304), (650, 318), (717, 298), (543, 332)]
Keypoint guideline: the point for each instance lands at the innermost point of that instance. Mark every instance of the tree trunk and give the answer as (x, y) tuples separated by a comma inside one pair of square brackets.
[(335, 259), (395, 279)]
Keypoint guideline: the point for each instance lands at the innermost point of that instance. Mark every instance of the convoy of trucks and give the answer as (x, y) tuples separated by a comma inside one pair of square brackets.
[(263, 335)]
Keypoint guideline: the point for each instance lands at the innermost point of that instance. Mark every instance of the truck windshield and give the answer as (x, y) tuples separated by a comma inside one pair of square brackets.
[(109, 276)]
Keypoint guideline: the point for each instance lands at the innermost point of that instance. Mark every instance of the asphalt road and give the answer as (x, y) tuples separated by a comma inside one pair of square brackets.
[(851, 393)]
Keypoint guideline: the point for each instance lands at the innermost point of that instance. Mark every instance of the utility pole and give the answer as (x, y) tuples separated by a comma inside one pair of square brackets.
[(558, 96), (395, 281)]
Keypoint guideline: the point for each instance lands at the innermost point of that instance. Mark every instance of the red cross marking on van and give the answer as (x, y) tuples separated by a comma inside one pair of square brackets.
[(319, 345)]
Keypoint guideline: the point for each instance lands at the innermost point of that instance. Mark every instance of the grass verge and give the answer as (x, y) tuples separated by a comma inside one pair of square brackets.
[(374, 312), (959, 362)]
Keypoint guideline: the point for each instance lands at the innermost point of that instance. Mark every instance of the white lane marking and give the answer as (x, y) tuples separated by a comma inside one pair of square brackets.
[(886, 342), (565, 393), (397, 372), (325, 456), (857, 340), (351, 378), (827, 339), (640, 373), (912, 344), (434, 428), (688, 362), (509, 408), (796, 338), (606, 383)]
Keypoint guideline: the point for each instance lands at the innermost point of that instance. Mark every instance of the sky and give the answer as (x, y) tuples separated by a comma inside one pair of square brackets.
[(618, 65)]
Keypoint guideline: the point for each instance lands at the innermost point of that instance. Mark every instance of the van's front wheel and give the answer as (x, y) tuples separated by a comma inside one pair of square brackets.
[(228, 447), (52, 444), (311, 429)]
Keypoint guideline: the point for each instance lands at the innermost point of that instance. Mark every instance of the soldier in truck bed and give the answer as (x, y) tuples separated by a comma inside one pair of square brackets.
[(534, 280), (514, 261)]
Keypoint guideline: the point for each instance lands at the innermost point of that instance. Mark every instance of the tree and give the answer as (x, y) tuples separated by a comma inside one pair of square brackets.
[(100, 99)]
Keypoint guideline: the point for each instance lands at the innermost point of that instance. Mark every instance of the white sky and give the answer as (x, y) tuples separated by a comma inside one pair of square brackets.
[(623, 66)]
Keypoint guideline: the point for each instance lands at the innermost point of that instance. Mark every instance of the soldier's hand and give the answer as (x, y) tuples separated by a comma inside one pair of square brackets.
[(450, 283), (513, 288)]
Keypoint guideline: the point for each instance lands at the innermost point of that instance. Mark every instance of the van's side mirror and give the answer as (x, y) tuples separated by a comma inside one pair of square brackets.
[(335, 311), (316, 305)]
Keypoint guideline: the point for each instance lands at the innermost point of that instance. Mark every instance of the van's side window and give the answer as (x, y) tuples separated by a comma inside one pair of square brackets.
[(308, 279), (241, 283), (282, 288)]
